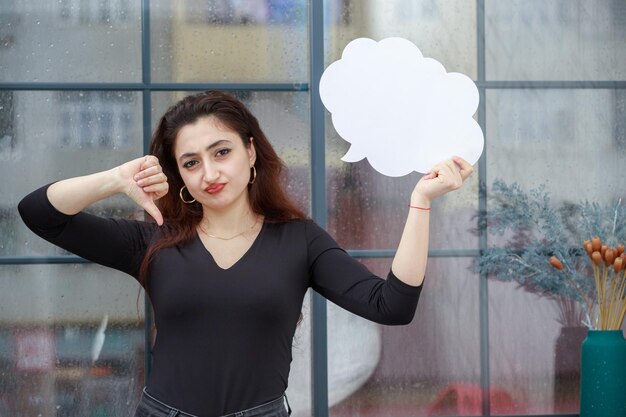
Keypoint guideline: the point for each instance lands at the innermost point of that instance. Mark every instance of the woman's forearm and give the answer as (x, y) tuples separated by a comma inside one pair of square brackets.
[(72, 195), (141, 179), (409, 263)]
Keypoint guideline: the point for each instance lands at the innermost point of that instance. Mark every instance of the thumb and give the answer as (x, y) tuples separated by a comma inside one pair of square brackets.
[(465, 167), (153, 211)]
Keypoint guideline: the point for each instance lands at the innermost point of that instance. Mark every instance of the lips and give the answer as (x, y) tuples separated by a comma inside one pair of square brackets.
[(215, 188)]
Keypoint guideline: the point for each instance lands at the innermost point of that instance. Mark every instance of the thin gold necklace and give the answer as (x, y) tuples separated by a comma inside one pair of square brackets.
[(238, 234)]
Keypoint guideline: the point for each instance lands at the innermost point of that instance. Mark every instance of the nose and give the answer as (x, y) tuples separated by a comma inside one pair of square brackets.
[(211, 173)]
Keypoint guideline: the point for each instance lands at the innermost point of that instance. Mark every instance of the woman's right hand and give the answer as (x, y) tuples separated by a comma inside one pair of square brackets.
[(144, 183)]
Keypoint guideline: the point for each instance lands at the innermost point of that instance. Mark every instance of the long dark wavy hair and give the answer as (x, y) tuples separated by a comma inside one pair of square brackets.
[(267, 195)]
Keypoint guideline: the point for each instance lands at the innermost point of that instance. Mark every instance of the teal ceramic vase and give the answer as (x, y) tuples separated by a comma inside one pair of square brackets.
[(603, 374)]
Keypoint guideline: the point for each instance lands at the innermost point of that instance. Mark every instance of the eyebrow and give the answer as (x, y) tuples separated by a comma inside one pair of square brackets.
[(208, 148)]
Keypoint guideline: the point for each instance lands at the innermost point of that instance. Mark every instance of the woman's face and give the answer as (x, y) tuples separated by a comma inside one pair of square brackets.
[(214, 163)]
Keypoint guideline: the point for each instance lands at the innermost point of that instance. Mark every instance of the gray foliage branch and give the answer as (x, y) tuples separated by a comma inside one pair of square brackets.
[(529, 229)]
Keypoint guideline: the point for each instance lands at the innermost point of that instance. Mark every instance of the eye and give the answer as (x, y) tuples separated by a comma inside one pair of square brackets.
[(222, 152), (189, 164)]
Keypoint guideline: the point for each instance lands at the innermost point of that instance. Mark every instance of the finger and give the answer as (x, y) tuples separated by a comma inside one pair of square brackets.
[(429, 175), (153, 211), (456, 179), (450, 168), (466, 167), (147, 172), (153, 179), (448, 174), (159, 190), (149, 161), (443, 170)]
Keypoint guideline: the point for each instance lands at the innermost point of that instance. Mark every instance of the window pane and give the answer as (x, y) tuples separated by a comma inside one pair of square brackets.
[(367, 210), (300, 383), (70, 41), (532, 354), (411, 370), (443, 30), (572, 141), (284, 118), (555, 40), (229, 41), (50, 135), (50, 360)]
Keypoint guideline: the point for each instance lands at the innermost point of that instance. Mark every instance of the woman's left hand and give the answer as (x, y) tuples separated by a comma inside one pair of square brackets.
[(444, 177)]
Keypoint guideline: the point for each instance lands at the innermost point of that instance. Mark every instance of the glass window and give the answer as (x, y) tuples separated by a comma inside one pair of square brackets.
[(365, 209), (571, 141), (443, 30), (555, 40), (71, 341), (99, 117), (299, 389), (7, 127), (540, 371), (51, 135), (558, 138), (417, 369), (230, 41), (70, 41)]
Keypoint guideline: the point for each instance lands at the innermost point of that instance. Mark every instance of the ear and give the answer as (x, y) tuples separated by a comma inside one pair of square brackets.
[(251, 152)]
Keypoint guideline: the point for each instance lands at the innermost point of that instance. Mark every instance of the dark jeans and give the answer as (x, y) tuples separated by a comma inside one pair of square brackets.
[(151, 407)]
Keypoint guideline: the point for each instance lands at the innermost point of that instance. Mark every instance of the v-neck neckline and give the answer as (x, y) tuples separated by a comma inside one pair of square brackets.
[(241, 258)]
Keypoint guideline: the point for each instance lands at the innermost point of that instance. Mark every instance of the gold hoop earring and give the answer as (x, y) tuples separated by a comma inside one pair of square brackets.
[(180, 194), (253, 175)]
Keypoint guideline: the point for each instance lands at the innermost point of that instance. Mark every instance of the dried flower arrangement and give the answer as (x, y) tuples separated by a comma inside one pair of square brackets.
[(536, 230), (609, 269)]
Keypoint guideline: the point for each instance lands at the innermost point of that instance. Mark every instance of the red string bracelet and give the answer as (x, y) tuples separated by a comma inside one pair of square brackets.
[(420, 208)]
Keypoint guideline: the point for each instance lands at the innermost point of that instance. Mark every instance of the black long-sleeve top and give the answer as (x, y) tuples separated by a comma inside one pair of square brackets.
[(224, 335)]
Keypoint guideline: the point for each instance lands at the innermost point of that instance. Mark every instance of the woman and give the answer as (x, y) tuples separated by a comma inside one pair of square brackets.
[(228, 262)]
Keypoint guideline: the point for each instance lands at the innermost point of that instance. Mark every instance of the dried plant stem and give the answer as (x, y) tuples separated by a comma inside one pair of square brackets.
[(605, 299), (620, 300), (620, 293), (596, 275), (582, 296), (616, 215), (611, 297), (621, 316), (612, 304)]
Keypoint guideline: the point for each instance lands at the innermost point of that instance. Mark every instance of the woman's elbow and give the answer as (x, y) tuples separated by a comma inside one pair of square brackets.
[(401, 318)]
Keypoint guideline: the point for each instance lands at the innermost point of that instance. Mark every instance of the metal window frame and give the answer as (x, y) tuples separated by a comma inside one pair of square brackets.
[(319, 360)]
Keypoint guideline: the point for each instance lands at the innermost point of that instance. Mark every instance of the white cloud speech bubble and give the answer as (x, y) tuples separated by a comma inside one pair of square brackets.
[(401, 111)]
